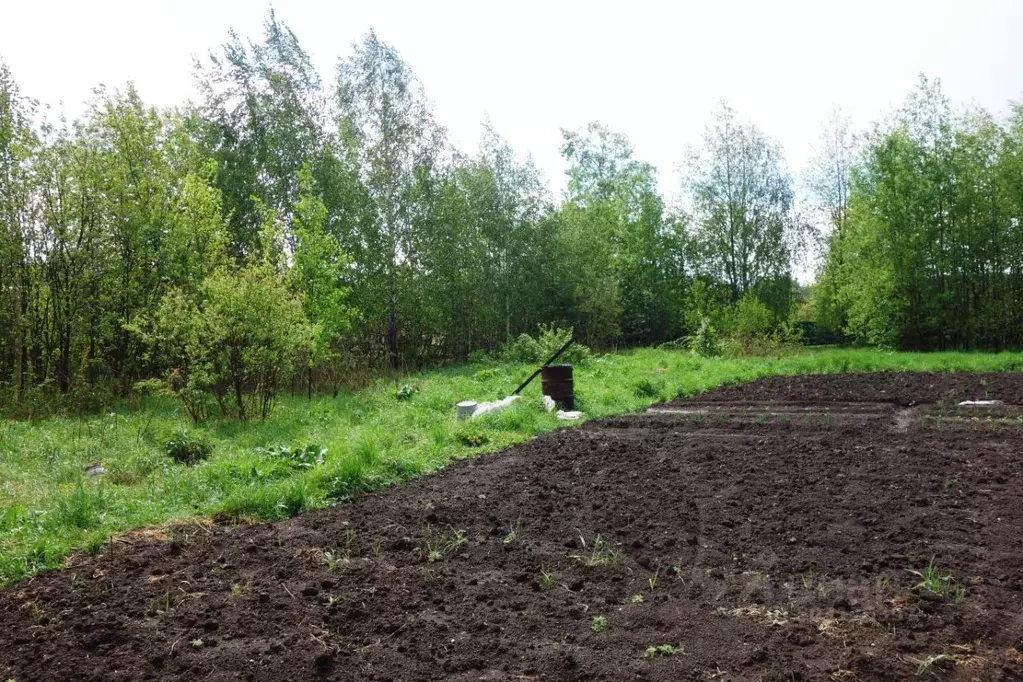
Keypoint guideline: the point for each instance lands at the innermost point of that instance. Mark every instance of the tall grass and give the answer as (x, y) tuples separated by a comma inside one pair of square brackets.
[(49, 507)]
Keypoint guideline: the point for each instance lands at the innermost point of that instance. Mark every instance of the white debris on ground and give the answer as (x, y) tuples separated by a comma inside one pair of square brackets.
[(979, 403), (95, 469), (486, 408), (469, 409)]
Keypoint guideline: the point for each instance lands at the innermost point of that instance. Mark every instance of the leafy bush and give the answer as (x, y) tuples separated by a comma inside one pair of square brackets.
[(647, 389), (705, 341), (749, 319), (485, 374), (471, 436), (186, 448), (405, 392), (479, 357), (233, 341), (529, 350), (298, 457)]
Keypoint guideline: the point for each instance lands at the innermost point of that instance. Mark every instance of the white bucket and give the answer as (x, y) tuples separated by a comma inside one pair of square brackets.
[(465, 409)]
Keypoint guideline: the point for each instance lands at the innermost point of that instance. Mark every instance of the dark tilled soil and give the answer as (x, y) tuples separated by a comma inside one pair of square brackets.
[(765, 532)]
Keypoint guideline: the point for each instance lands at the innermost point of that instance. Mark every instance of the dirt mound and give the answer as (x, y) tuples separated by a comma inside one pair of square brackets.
[(762, 532)]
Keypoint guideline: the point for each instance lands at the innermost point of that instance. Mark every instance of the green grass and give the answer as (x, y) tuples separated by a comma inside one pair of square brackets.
[(49, 507)]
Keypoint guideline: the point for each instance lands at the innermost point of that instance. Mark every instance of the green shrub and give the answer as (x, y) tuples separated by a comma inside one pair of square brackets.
[(528, 350), (298, 457), (647, 389), (186, 448), (234, 343), (405, 392), (471, 436), (485, 374), (749, 319), (479, 357), (705, 341)]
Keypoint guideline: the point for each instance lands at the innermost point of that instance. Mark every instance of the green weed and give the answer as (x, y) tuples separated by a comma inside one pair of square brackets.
[(187, 448), (601, 553), (935, 662), (934, 581), (514, 532), (662, 650)]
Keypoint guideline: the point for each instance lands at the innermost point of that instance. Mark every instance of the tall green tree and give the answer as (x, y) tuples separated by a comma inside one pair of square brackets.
[(263, 109), (741, 196), (383, 111), (616, 243), (18, 144)]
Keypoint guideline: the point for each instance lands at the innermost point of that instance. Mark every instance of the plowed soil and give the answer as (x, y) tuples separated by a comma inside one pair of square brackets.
[(764, 532)]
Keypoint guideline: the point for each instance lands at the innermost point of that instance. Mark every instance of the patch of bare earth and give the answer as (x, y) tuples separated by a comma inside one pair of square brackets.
[(764, 532)]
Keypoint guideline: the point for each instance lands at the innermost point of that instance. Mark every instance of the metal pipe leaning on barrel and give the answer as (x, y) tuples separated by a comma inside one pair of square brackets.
[(540, 369)]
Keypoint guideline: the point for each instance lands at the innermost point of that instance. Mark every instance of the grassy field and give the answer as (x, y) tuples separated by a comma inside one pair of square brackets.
[(316, 453)]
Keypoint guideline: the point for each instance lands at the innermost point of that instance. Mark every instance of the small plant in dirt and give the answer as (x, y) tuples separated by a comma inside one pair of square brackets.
[(445, 547), (187, 448), (514, 533), (196, 643), (342, 554), (721, 612), (662, 650), (547, 579), (240, 589), (599, 624), (298, 457), (933, 581), (652, 580), (405, 392), (636, 599), (935, 663), (456, 541), (331, 559), (600, 554), (433, 553)]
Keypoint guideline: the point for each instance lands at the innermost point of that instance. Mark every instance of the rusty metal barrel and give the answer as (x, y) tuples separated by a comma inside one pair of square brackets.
[(558, 384)]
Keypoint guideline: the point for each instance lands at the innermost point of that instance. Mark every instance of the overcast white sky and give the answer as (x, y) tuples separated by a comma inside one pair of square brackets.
[(653, 70)]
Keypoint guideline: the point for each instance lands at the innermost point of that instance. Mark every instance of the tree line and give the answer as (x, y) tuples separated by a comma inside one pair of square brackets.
[(927, 247), (287, 232)]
